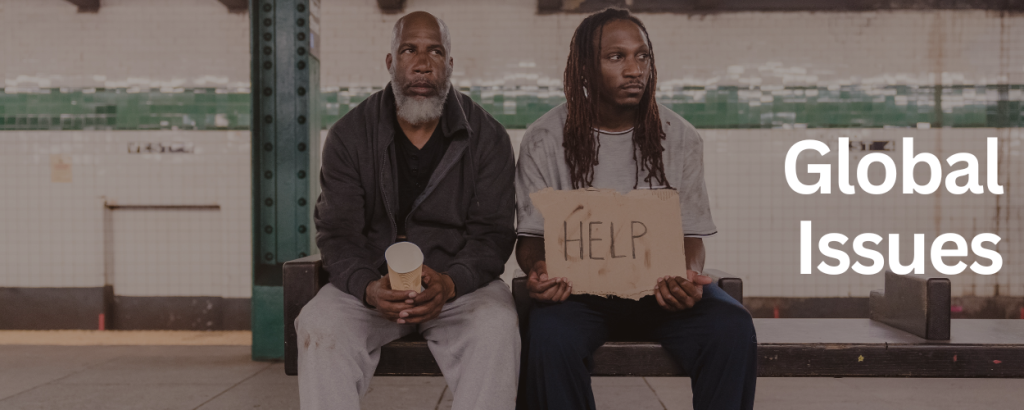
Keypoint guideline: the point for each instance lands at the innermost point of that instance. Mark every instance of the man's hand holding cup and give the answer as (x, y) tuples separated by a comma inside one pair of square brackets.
[(411, 292), (426, 305), (388, 301)]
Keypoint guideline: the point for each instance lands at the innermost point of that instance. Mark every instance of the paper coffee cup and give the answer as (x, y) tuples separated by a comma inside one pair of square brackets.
[(405, 266)]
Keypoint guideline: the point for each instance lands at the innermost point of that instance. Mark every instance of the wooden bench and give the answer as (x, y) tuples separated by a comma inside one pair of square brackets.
[(909, 334)]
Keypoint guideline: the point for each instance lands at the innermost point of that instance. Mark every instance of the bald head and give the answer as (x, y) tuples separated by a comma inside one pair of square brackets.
[(417, 21)]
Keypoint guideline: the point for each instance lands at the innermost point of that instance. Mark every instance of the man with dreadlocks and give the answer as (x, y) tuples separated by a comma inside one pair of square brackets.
[(612, 134)]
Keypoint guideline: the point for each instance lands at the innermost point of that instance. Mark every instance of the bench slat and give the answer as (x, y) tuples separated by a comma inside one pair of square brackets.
[(979, 348), (784, 360)]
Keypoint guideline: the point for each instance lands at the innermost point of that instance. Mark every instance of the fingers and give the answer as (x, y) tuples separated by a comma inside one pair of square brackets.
[(666, 295), (429, 276), (546, 289), (392, 311), (419, 314), (697, 278), (692, 289), (548, 294), (432, 291), (682, 291), (558, 293), (395, 295), (538, 282), (542, 286), (532, 275), (564, 292), (661, 300), (422, 313), (385, 293), (686, 293)]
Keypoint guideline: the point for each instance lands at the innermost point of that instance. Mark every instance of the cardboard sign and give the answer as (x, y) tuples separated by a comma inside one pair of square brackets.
[(607, 243)]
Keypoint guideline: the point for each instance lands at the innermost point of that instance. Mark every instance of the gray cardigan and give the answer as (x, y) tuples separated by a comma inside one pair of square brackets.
[(463, 220)]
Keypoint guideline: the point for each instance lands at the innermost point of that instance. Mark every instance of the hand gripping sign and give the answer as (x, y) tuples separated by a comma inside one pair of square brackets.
[(607, 243)]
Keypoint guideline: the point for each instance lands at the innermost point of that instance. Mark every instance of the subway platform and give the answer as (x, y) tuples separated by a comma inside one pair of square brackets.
[(213, 370)]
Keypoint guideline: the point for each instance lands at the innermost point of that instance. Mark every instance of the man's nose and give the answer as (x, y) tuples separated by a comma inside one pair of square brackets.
[(421, 64), (633, 68)]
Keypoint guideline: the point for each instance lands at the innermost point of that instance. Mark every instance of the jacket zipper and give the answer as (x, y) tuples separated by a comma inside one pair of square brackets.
[(387, 203)]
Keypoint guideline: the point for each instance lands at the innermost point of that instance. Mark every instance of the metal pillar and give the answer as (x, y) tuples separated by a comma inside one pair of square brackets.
[(285, 76)]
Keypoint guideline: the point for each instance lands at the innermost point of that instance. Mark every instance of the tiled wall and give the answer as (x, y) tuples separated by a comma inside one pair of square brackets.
[(60, 234), (58, 230), (730, 70), (128, 43)]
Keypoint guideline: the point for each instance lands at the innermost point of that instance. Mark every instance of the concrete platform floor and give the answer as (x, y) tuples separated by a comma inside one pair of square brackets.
[(223, 377)]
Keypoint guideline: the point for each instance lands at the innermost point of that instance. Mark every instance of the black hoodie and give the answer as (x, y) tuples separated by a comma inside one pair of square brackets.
[(463, 220)]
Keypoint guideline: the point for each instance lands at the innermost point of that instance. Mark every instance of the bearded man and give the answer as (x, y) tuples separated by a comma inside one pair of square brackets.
[(418, 162), (612, 134)]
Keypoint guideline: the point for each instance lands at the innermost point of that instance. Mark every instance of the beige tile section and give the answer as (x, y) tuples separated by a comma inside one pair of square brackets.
[(125, 338), (198, 43)]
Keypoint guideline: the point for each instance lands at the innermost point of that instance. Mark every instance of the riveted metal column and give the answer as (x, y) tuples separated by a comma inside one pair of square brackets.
[(285, 153)]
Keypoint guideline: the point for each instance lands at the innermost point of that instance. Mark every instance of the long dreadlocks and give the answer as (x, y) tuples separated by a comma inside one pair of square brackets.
[(582, 83)]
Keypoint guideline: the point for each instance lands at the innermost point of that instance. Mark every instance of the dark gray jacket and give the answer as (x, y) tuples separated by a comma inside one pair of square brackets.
[(463, 221)]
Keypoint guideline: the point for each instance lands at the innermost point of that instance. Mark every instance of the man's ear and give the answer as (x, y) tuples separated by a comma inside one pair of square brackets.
[(387, 62), (451, 62)]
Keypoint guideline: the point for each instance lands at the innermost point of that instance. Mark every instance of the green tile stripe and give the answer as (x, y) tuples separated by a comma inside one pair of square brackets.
[(714, 107)]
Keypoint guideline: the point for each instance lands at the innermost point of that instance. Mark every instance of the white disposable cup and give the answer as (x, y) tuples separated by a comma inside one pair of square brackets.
[(405, 266)]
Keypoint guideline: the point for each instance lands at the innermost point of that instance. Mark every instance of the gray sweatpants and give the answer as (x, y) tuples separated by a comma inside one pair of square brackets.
[(475, 342)]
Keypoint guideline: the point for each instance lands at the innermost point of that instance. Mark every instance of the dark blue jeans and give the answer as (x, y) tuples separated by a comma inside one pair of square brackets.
[(714, 342)]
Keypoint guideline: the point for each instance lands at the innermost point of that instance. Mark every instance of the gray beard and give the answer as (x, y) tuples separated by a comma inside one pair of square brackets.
[(419, 110)]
